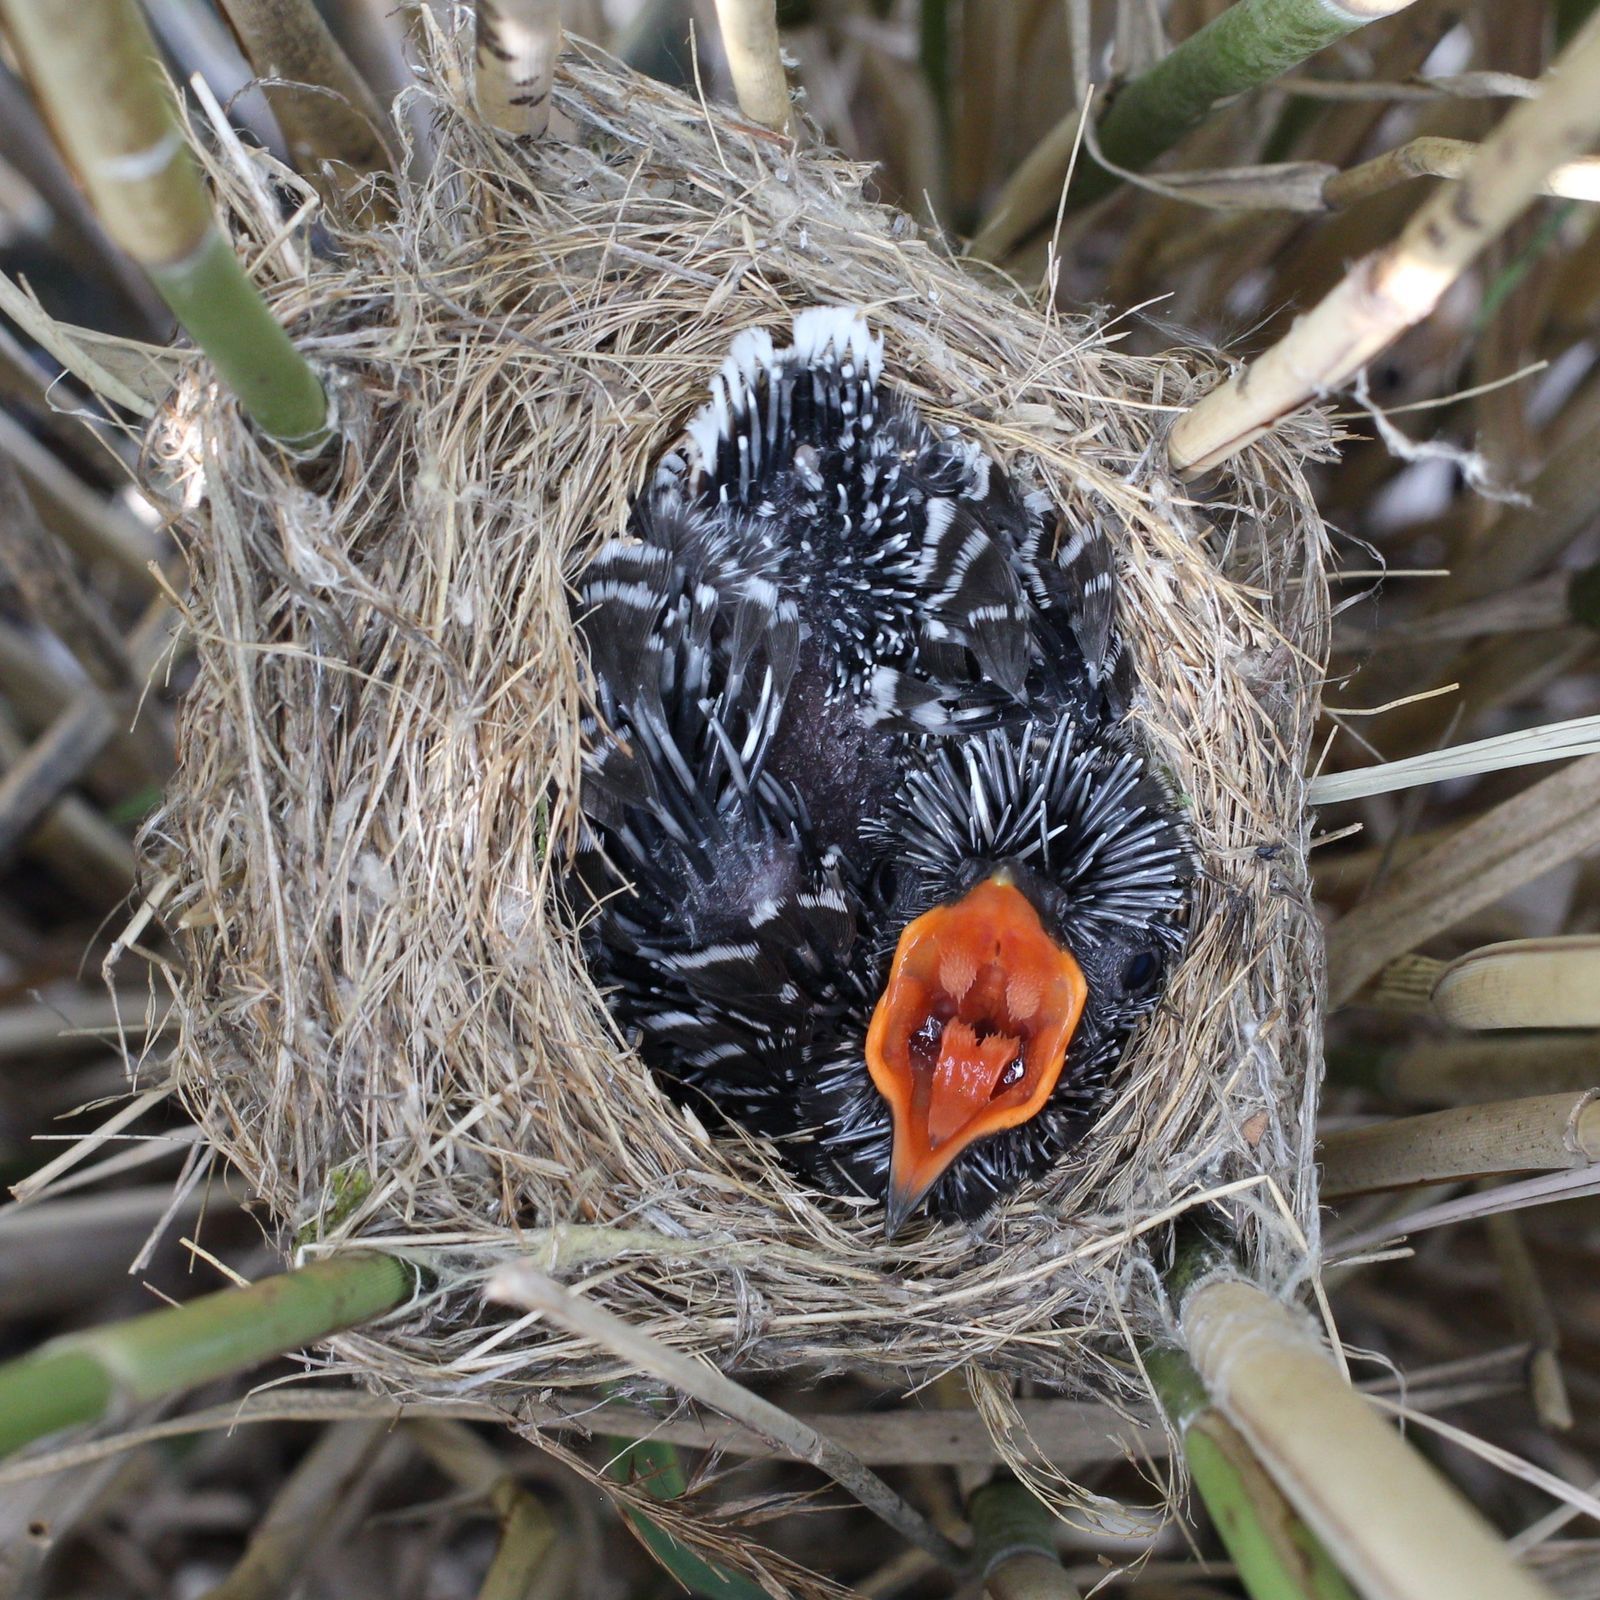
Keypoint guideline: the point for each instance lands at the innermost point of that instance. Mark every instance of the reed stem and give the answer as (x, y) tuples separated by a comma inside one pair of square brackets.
[(324, 106), (93, 66), (1013, 1538), (86, 1376), (1249, 44), (1390, 1521), (1539, 1133), (1278, 1556), (517, 44), (1394, 288), (755, 60)]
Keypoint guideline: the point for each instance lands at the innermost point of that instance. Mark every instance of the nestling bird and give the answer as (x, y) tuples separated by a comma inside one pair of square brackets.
[(877, 866)]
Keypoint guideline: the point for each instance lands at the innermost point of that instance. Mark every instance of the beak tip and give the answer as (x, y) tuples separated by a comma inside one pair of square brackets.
[(897, 1209)]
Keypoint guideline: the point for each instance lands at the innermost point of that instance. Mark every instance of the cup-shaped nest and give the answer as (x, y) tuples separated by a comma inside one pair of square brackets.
[(386, 1021)]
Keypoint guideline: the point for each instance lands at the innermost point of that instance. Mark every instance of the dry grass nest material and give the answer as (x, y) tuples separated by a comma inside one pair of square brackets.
[(385, 1023)]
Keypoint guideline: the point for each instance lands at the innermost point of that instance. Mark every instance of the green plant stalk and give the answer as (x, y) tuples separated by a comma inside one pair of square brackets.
[(1013, 1544), (1278, 1556), (656, 1465), (218, 307), (93, 66), (1248, 45), (87, 1376)]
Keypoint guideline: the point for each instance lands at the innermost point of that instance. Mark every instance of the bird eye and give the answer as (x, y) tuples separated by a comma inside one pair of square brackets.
[(1141, 971)]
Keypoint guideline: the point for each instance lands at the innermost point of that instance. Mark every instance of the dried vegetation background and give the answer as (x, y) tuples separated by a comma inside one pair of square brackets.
[(1462, 614)]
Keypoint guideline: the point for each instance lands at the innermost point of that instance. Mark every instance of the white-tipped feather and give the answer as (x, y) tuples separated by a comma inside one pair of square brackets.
[(846, 668)]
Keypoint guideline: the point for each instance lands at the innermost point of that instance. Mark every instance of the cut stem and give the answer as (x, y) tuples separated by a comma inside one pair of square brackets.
[(86, 1376), (1394, 288), (1278, 1556), (93, 65), (1534, 1319), (1013, 1540), (1539, 1133), (1397, 1528), (1249, 44), (1523, 983)]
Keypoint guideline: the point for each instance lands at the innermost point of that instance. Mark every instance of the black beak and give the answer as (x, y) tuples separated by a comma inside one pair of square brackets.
[(899, 1202)]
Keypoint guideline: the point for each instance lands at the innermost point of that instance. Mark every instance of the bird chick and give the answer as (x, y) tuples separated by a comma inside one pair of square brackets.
[(873, 863)]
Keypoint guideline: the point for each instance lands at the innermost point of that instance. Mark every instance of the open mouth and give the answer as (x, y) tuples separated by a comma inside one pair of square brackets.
[(971, 1032)]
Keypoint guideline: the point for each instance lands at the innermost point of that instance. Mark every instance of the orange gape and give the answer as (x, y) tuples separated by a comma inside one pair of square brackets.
[(971, 1030)]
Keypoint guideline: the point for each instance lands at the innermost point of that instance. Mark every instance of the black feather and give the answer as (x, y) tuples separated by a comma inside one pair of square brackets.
[(843, 670)]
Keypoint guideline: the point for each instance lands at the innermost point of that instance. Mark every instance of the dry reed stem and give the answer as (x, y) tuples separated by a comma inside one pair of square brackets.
[(1396, 287), (1452, 1071), (1433, 157), (1390, 1521), (520, 1284), (1546, 824), (38, 566), (74, 740), (1072, 1434), (323, 105), (299, 1520), (514, 61), (1524, 983), (1536, 1133), (755, 60), (91, 527), (1533, 1318)]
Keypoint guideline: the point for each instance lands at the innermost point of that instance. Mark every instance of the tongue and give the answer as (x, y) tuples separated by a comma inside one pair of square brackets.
[(964, 1077)]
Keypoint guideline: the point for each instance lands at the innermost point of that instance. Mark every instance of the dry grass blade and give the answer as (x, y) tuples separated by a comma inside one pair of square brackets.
[(1394, 288), (1556, 741), (1536, 1133), (1386, 1517), (1547, 824), (518, 42), (521, 1284)]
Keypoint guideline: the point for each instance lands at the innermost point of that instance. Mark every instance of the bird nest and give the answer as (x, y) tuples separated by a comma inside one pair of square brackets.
[(385, 1022)]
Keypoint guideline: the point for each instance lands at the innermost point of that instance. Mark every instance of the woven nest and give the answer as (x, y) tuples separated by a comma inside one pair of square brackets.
[(386, 1024)]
